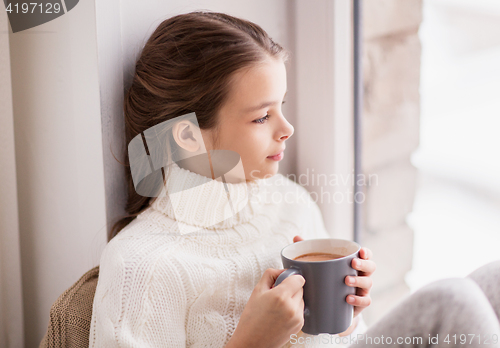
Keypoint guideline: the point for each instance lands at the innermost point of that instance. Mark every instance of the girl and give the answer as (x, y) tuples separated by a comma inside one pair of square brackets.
[(160, 286), (184, 272)]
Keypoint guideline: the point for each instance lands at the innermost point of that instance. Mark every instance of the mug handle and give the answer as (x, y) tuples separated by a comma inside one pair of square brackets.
[(286, 274)]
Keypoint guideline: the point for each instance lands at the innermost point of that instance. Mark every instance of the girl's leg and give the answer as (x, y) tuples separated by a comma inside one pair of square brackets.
[(451, 312), (488, 279)]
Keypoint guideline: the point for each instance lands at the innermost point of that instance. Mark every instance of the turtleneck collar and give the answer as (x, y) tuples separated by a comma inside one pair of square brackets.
[(197, 202)]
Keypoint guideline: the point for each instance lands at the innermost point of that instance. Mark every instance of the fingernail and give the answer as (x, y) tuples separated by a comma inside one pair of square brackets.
[(350, 299), (350, 280)]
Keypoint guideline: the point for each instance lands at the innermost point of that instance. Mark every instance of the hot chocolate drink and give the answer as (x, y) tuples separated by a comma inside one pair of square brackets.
[(318, 257)]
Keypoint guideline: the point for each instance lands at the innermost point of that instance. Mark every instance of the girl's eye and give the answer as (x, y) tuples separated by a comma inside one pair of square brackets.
[(262, 120)]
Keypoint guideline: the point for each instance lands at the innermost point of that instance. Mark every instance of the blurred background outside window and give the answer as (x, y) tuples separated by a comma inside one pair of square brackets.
[(456, 214)]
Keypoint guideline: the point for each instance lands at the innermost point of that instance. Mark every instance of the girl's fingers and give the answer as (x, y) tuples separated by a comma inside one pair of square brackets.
[(365, 253), (365, 266), (269, 277), (291, 285), (361, 301), (359, 282), (297, 239), (362, 292)]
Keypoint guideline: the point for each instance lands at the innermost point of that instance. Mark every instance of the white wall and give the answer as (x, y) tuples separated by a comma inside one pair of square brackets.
[(58, 158), (11, 304), (325, 106)]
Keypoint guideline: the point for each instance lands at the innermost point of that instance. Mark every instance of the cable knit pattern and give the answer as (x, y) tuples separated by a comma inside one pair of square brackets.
[(180, 274)]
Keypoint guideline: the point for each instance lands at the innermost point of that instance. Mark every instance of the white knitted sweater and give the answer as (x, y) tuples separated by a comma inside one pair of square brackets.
[(162, 285)]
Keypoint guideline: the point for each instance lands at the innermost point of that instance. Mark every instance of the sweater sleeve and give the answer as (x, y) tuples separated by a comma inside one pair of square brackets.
[(138, 303)]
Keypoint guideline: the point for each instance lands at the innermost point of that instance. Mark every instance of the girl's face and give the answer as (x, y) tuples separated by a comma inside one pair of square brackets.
[(251, 122)]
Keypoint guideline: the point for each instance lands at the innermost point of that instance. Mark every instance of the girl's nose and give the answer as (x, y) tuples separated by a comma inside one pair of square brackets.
[(288, 131)]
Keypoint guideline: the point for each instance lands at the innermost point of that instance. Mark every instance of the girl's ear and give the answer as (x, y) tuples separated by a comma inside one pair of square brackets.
[(188, 137)]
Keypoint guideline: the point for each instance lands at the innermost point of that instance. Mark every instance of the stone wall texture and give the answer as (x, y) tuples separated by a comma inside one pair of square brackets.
[(391, 69)]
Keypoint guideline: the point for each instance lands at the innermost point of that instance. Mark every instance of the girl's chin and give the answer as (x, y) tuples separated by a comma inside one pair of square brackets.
[(263, 173)]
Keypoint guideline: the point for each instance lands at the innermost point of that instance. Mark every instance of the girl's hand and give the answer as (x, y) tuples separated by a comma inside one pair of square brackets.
[(271, 315), (362, 282)]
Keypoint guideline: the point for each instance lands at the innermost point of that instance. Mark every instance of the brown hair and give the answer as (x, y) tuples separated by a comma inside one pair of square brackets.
[(186, 66)]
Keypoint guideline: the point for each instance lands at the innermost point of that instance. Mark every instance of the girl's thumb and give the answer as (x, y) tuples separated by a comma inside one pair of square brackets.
[(270, 276)]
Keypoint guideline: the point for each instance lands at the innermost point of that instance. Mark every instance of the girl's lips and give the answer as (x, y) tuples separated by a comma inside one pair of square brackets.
[(277, 157)]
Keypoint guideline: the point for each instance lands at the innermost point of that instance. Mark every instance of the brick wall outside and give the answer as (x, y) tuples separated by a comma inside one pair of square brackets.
[(391, 68)]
